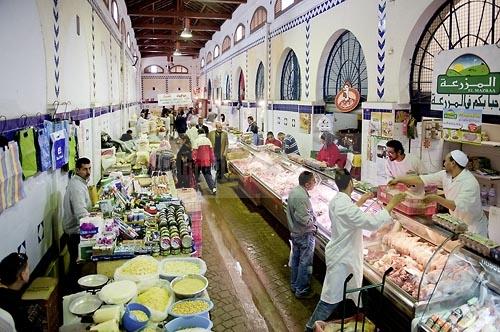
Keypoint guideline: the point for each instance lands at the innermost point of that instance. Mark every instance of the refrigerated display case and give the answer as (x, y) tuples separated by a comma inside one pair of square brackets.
[(415, 248), (473, 302)]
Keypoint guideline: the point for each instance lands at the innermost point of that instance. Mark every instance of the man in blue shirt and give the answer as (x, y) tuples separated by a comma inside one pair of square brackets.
[(289, 143)]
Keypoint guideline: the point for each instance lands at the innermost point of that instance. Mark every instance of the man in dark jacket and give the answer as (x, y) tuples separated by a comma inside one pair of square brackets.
[(200, 125)]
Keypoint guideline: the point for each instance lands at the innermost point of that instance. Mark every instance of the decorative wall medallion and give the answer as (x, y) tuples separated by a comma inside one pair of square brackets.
[(348, 98)]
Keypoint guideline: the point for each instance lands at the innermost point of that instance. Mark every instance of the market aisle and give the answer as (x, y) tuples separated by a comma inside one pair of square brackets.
[(262, 253), (234, 309)]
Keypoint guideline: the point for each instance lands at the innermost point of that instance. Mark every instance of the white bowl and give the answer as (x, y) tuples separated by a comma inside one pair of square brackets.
[(189, 295)]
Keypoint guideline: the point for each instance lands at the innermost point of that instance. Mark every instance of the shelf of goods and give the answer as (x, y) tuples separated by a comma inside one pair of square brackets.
[(416, 250)]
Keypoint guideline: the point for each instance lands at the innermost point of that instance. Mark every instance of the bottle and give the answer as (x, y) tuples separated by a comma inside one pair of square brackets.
[(492, 196), (484, 195)]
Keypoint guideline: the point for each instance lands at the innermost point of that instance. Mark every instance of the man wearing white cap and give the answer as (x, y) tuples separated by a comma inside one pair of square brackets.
[(461, 191)]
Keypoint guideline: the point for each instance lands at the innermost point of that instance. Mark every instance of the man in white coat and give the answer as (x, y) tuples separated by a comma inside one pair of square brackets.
[(344, 251), (462, 196)]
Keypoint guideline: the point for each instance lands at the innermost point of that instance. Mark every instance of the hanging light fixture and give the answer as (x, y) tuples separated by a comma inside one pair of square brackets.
[(186, 33), (177, 52)]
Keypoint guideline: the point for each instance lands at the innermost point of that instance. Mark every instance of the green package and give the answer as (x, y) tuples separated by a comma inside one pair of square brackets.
[(28, 152)]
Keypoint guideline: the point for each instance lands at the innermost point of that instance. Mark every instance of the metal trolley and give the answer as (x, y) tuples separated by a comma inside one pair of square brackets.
[(361, 291)]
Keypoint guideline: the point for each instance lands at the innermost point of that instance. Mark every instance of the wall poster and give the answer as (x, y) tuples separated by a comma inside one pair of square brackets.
[(305, 123), (462, 125)]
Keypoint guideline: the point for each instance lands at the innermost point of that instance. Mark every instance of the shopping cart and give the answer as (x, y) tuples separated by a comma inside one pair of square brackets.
[(359, 318)]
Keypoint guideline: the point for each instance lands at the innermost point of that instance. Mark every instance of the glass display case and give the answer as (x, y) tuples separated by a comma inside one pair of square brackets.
[(470, 287), (417, 250)]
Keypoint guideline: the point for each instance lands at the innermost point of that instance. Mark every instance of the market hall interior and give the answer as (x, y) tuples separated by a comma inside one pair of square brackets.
[(76, 75)]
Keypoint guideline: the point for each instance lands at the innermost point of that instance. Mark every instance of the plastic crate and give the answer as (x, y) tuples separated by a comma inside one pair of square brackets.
[(198, 247), (409, 206), (196, 231), (195, 216)]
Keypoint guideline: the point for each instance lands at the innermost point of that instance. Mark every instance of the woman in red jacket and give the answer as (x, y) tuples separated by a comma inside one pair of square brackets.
[(330, 153), (203, 156)]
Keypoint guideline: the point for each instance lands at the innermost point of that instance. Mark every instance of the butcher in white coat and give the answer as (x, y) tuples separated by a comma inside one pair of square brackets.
[(462, 195), (344, 251)]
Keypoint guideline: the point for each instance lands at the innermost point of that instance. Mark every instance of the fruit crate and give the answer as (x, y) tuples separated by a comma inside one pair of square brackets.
[(410, 206)]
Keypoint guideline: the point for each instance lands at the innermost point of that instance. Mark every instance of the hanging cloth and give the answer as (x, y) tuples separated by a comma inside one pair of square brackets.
[(43, 149), (59, 147), (64, 125), (26, 139), (72, 153), (11, 177)]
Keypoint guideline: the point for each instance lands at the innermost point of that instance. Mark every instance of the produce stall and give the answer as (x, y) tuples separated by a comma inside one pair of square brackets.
[(414, 246)]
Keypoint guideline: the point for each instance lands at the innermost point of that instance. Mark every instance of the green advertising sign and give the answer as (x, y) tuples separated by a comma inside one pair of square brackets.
[(469, 74)]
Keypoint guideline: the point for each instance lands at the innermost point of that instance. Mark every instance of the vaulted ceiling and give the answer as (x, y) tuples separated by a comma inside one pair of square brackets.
[(158, 24)]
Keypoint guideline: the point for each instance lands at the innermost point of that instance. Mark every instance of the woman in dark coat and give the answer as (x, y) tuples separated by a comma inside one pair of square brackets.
[(185, 164)]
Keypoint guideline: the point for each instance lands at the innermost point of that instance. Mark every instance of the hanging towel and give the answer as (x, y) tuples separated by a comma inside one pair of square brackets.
[(26, 139), (43, 148), (11, 179), (59, 147), (72, 153)]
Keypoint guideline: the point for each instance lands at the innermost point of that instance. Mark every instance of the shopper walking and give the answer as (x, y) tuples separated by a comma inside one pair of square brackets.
[(344, 251), (192, 132), (181, 123), (220, 142), (185, 164), (76, 205), (302, 225), (201, 125), (203, 155)]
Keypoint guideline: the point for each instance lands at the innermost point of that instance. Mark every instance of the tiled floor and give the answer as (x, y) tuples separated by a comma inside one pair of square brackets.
[(238, 237)]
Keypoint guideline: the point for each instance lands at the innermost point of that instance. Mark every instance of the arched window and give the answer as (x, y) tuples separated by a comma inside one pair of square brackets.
[(241, 87), (153, 69), (216, 51), (227, 95), (290, 78), (259, 83), (346, 62), (202, 62), (128, 40), (281, 5), (239, 34), (114, 11), (209, 57), (457, 24), (178, 69), (226, 44), (259, 18)]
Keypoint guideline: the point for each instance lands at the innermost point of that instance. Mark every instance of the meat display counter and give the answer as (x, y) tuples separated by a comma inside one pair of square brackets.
[(473, 303), (415, 248)]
